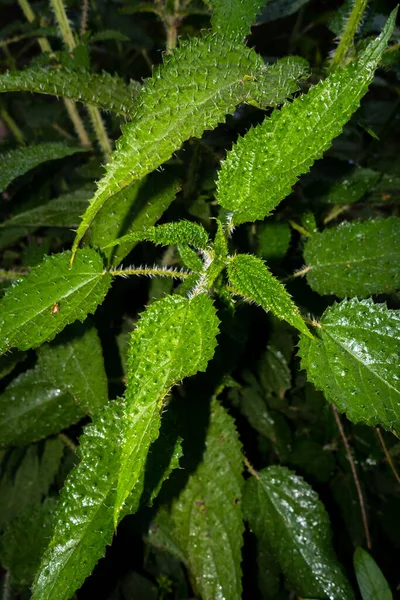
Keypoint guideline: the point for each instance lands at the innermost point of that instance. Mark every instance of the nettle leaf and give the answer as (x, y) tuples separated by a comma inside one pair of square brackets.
[(175, 338), (26, 477), (136, 207), (106, 91), (355, 259), (193, 90), (18, 162), (370, 579), (203, 527), (63, 211), (282, 508), (190, 258), (235, 17), (250, 278), (352, 187), (169, 233), (164, 349), (58, 391), (354, 361), (24, 541), (54, 294), (263, 166)]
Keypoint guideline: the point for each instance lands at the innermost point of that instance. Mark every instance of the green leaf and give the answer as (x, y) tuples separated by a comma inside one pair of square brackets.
[(282, 508), (203, 526), (9, 361), (84, 519), (278, 9), (63, 211), (36, 308), (190, 258), (26, 477), (351, 188), (136, 207), (234, 18), (273, 241), (196, 87), (371, 581), (169, 233), (251, 278), (24, 541), (263, 166), (175, 338), (359, 258), (354, 361), (106, 91), (68, 382), (18, 162)]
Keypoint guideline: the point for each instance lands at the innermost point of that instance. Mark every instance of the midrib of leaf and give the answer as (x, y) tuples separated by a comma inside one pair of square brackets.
[(359, 362)]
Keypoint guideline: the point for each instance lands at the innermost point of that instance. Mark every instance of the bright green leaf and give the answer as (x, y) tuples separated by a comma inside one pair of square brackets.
[(371, 581), (27, 474), (190, 258), (354, 361), (234, 17), (251, 279), (18, 162), (106, 91), (36, 308), (203, 526), (169, 233), (282, 508), (67, 382), (359, 258), (175, 338), (136, 207), (193, 90), (263, 166)]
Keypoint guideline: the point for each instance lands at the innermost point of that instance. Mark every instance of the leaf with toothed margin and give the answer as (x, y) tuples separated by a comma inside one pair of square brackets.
[(169, 233), (54, 294), (354, 360), (193, 90), (263, 166), (175, 338), (234, 17), (251, 278), (18, 162), (285, 511), (203, 526), (106, 91)]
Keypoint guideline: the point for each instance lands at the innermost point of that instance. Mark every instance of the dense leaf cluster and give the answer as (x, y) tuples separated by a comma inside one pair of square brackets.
[(189, 408)]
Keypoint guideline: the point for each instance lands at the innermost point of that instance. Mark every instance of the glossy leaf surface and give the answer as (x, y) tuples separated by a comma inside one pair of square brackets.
[(370, 579), (355, 259), (53, 295), (251, 278), (284, 509), (354, 360), (62, 387), (169, 233), (18, 162), (196, 87), (263, 166), (203, 526), (106, 91)]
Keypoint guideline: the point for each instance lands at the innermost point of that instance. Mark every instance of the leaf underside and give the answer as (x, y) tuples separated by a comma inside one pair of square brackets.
[(354, 361)]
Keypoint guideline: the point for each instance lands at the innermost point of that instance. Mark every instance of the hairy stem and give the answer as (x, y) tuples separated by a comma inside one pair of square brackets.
[(100, 130), (355, 476), (151, 272), (63, 23), (11, 124), (30, 16), (348, 34), (84, 17)]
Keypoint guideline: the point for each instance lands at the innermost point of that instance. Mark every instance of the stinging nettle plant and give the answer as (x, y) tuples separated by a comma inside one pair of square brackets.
[(162, 423)]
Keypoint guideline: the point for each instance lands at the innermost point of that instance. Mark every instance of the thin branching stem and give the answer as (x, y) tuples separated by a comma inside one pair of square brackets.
[(355, 476), (387, 455)]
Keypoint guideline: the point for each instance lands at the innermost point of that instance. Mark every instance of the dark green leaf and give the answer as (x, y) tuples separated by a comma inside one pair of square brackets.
[(354, 361), (53, 295), (283, 508), (235, 17), (18, 162), (355, 259), (203, 526), (372, 583), (67, 383), (351, 188), (250, 278), (273, 241)]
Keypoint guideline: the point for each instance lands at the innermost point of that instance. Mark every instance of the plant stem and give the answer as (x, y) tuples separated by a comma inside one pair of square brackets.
[(67, 442), (348, 34), (30, 17), (250, 467), (6, 591), (84, 17), (387, 455), (150, 272), (94, 113), (11, 275), (355, 476), (11, 124)]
